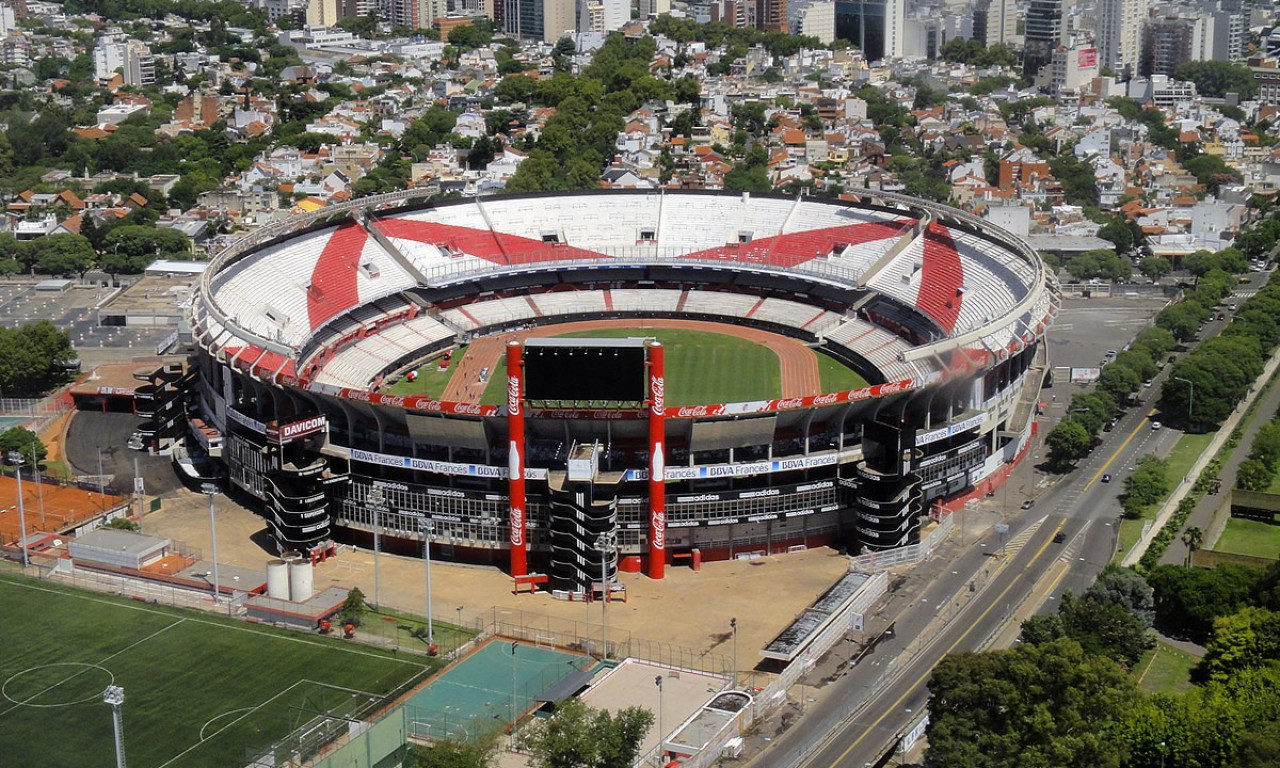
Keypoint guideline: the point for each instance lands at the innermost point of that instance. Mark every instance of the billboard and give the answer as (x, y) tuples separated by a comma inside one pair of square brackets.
[(1086, 58), (1085, 375)]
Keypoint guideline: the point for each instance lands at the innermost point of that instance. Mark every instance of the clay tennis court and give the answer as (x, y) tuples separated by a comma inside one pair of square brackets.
[(799, 364), (48, 508)]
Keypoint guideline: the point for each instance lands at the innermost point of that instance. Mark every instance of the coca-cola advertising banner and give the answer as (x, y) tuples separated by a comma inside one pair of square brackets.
[(430, 405)]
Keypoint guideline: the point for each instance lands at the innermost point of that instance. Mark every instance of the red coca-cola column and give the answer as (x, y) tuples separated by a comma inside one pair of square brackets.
[(515, 457), (657, 463)]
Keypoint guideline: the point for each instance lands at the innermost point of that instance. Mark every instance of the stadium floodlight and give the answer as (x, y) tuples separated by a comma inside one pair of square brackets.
[(377, 503), (657, 680), (211, 490), (113, 697), (428, 528), (605, 545), (16, 458)]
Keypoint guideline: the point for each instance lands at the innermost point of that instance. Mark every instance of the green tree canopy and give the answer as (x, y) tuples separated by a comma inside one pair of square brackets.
[(24, 441), (1046, 704), (577, 736)]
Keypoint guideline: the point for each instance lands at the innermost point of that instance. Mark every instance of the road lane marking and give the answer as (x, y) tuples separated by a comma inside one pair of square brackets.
[(893, 708)]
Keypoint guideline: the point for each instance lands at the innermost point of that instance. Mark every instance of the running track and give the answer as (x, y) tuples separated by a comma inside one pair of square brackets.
[(800, 375)]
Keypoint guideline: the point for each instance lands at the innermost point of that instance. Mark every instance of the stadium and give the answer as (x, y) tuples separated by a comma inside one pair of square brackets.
[(569, 432)]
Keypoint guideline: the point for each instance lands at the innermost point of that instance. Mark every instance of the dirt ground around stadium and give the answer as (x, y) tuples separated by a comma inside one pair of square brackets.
[(799, 364), (687, 609)]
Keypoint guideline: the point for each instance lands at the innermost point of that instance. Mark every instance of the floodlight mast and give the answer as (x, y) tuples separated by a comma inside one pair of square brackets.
[(113, 697)]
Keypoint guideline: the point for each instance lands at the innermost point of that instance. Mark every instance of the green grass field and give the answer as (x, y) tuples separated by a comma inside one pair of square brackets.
[(1250, 537), (199, 691), (838, 377), (1165, 669)]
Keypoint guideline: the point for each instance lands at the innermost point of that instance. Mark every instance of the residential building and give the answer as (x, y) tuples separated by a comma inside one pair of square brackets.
[(327, 13), (1120, 34), (817, 20), (995, 21), (1069, 69), (139, 64), (1171, 41), (651, 9)]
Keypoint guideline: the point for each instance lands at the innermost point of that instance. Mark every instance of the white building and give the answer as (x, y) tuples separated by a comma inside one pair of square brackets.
[(817, 20)]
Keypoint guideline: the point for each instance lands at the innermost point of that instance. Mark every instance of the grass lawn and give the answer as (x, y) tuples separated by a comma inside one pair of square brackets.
[(1165, 669), (836, 376), (702, 368), (1128, 535), (199, 691), (1185, 453), (431, 380), (1250, 537)]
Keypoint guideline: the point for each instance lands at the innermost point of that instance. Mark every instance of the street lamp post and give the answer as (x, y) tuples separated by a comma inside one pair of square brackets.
[(1191, 399), (16, 458), (210, 490), (733, 627), (661, 733)]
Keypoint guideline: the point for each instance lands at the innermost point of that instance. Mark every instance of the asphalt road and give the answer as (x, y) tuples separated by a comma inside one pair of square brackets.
[(92, 432), (883, 694)]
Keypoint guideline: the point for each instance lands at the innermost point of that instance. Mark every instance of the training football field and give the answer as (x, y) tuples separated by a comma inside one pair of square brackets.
[(199, 691)]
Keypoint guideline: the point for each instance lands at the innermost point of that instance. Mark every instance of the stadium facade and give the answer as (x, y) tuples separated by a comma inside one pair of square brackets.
[(299, 325)]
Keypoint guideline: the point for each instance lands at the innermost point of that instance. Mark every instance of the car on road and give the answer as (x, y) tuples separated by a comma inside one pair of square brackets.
[(1059, 537), (1155, 425), (1027, 504), (1106, 478)]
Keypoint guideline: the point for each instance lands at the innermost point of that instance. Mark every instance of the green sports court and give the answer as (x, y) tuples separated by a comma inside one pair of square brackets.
[(474, 697)]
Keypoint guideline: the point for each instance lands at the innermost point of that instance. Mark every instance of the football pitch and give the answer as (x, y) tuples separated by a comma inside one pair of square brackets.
[(198, 691)]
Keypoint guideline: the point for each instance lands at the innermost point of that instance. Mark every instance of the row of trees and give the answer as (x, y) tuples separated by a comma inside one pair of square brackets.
[(1067, 695), (1208, 383)]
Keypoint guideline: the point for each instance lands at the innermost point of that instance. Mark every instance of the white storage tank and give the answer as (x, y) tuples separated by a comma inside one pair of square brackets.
[(277, 580), (300, 581)]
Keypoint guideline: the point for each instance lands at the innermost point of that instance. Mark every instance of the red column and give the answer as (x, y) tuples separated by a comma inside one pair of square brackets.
[(515, 457), (657, 462)]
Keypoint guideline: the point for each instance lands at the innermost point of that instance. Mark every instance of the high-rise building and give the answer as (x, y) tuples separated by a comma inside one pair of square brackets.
[(1120, 34), (327, 13), (108, 55), (1168, 43), (546, 20), (816, 20), (875, 27), (1041, 36), (995, 21), (139, 64)]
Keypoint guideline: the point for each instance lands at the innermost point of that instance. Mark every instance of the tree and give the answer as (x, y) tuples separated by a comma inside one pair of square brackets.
[(1247, 638), (34, 359), (1068, 442), (62, 254), (1104, 627), (474, 753), (1155, 267), (353, 608), (23, 441), (1189, 599), (577, 736), (1218, 78), (1126, 588), (1147, 484), (1192, 539), (1045, 704), (1182, 319)]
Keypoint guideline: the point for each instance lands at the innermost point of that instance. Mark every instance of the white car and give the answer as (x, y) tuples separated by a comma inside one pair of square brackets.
[(1155, 425)]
